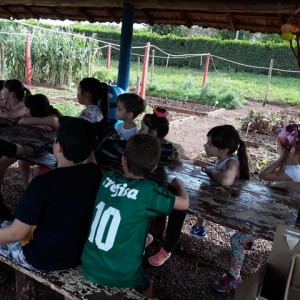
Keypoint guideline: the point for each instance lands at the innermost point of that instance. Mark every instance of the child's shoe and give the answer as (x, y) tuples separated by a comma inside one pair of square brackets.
[(198, 232), (159, 258), (226, 283)]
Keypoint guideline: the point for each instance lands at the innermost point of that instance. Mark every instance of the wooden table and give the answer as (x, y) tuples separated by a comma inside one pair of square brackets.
[(248, 206), (35, 138)]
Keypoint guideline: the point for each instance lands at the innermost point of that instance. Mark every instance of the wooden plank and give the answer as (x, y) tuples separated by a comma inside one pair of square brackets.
[(70, 283), (248, 206)]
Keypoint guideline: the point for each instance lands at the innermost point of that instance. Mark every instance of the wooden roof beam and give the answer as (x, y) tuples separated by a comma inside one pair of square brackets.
[(34, 15), (230, 20), (6, 9), (86, 14), (185, 18), (110, 12), (144, 12)]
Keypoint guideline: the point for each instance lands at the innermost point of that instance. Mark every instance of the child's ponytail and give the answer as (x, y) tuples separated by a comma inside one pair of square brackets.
[(243, 159)]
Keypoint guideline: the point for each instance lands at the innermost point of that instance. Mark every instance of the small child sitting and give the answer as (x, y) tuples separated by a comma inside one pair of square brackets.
[(129, 106), (113, 253)]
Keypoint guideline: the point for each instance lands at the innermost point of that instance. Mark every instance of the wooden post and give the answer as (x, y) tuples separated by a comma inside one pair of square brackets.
[(138, 81), (152, 65), (167, 61), (268, 81), (2, 61), (206, 70), (108, 56), (145, 71), (28, 61)]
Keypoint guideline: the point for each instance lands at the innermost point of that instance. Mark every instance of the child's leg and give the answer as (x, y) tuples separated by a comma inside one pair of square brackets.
[(25, 172), (198, 230), (238, 242), (200, 221), (231, 279), (175, 223)]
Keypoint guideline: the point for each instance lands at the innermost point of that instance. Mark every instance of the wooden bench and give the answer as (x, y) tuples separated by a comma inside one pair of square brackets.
[(69, 283)]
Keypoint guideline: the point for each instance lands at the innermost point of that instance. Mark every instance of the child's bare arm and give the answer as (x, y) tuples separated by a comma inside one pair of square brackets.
[(182, 199), (226, 175), (13, 114), (14, 232), (291, 185), (200, 163), (51, 121), (270, 173)]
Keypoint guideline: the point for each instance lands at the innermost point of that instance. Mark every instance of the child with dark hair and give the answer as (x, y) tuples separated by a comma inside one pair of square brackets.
[(157, 124), (12, 106), (94, 95), (13, 95), (125, 202), (222, 142), (58, 204), (129, 106), (39, 113)]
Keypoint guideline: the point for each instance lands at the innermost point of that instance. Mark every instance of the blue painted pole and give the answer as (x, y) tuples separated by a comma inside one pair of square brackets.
[(125, 47)]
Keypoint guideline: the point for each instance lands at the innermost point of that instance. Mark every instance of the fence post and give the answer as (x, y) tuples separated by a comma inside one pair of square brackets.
[(145, 71), (28, 61), (206, 70), (268, 82), (1, 61), (108, 55), (137, 90), (152, 65)]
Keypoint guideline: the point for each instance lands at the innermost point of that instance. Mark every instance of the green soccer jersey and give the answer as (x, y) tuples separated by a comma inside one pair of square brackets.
[(113, 253)]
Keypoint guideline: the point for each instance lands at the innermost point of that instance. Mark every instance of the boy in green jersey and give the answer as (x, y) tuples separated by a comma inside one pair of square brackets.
[(124, 204)]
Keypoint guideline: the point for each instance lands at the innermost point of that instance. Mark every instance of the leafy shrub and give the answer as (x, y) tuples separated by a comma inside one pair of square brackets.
[(225, 97), (68, 108)]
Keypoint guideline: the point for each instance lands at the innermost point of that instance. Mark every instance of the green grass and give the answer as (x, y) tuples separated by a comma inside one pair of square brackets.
[(223, 89)]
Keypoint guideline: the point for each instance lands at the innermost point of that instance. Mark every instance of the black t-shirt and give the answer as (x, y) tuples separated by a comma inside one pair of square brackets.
[(8, 149), (60, 203)]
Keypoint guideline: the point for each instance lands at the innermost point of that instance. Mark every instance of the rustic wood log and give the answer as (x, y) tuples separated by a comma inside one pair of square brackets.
[(69, 283)]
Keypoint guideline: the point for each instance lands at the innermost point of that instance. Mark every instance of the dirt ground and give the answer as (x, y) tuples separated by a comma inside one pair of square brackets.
[(194, 264)]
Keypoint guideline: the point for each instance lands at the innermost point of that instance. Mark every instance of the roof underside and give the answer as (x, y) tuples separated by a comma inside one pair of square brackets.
[(256, 16)]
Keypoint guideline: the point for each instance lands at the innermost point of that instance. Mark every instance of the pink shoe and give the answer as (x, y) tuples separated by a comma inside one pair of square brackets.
[(159, 258)]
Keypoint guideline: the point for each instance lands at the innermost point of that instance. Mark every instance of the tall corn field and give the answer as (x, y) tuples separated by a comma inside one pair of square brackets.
[(57, 58)]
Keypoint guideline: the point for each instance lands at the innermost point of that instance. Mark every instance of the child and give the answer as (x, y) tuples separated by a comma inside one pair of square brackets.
[(287, 167), (39, 113), (129, 106), (94, 95), (222, 142), (13, 95), (8, 149), (157, 124), (113, 253), (59, 203)]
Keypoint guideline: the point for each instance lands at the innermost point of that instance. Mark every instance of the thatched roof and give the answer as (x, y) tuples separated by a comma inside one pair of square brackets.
[(255, 15)]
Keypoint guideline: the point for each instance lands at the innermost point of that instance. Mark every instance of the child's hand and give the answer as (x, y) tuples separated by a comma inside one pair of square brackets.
[(279, 184), (175, 185), (208, 170)]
